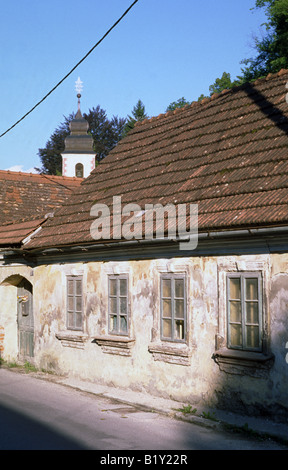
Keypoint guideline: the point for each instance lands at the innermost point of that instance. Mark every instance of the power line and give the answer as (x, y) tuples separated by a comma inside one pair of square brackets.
[(72, 70)]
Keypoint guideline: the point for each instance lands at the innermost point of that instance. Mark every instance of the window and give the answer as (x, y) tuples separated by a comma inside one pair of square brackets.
[(118, 304), (74, 303), (244, 308), (173, 307)]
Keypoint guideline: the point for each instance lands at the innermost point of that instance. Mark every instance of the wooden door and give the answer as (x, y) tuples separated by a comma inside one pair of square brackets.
[(25, 320)]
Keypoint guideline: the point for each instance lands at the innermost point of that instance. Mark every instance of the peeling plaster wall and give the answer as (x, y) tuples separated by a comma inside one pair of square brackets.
[(145, 363), (8, 323), (9, 277), (138, 370), (279, 327), (49, 318)]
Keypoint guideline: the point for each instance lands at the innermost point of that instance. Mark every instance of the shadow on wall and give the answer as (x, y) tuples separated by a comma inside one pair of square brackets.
[(257, 390), (1, 342)]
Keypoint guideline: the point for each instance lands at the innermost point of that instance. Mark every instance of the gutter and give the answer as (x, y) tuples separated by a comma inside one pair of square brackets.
[(268, 231), (247, 232), (202, 236)]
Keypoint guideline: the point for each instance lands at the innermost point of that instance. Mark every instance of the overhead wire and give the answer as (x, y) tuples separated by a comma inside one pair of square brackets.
[(72, 70)]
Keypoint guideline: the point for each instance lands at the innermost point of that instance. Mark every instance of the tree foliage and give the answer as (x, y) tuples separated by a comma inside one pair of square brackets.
[(106, 134), (50, 155), (223, 83), (138, 114), (177, 104), (271, 56), (219, 85), (271, 51)]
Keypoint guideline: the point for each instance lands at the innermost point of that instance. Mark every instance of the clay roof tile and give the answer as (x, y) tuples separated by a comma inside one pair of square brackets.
[(228, 154)]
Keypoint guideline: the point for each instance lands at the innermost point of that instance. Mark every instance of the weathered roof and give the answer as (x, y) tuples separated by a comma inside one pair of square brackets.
[(228, 154), (14, 234), (26, 196), (27, 199)]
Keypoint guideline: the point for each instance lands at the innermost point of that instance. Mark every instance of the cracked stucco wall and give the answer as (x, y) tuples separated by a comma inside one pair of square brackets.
[(187, 372)]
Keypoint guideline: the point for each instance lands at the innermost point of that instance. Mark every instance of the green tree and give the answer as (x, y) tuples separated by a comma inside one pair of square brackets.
[(223, 83), (272, 49), (177, 104), (220, 84), (106, 134), (50, 155), (201, 97), (138, 114)]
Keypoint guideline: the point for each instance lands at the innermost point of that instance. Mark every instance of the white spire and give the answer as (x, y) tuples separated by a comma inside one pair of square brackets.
[(78, 88)]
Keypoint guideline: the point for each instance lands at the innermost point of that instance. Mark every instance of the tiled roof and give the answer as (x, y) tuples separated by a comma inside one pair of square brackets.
[(14, 234), (26, 196), (228, 154)]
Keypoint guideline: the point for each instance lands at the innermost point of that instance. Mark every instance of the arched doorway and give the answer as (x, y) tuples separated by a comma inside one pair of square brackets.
[(25, 319), (16, 317)]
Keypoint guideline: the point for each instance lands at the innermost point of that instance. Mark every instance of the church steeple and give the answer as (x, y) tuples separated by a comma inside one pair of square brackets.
[(78, 158)]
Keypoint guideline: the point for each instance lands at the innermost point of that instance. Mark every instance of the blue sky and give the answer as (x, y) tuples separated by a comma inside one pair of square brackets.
[(163, 50)]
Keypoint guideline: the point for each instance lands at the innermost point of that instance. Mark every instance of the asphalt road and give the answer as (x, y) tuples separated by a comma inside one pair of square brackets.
[(41, 415)]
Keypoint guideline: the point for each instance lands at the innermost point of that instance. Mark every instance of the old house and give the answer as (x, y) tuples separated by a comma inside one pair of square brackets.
[(27, 200), (204, 322)]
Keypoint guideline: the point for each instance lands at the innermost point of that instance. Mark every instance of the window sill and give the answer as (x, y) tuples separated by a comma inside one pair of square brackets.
[(174, 354), (72, 339), (233, 361), (118, 345)]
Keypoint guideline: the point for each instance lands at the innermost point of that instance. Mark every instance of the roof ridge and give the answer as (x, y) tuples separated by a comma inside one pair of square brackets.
[(12, 172), (24, 220), (64, 183), (41, 175), (61, 177), (214, 96)]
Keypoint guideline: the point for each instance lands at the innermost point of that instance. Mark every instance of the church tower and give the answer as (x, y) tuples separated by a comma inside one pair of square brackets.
[(78, 158)]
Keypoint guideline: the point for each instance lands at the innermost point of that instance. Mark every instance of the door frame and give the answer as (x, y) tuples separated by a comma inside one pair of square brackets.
[(25, 320)]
